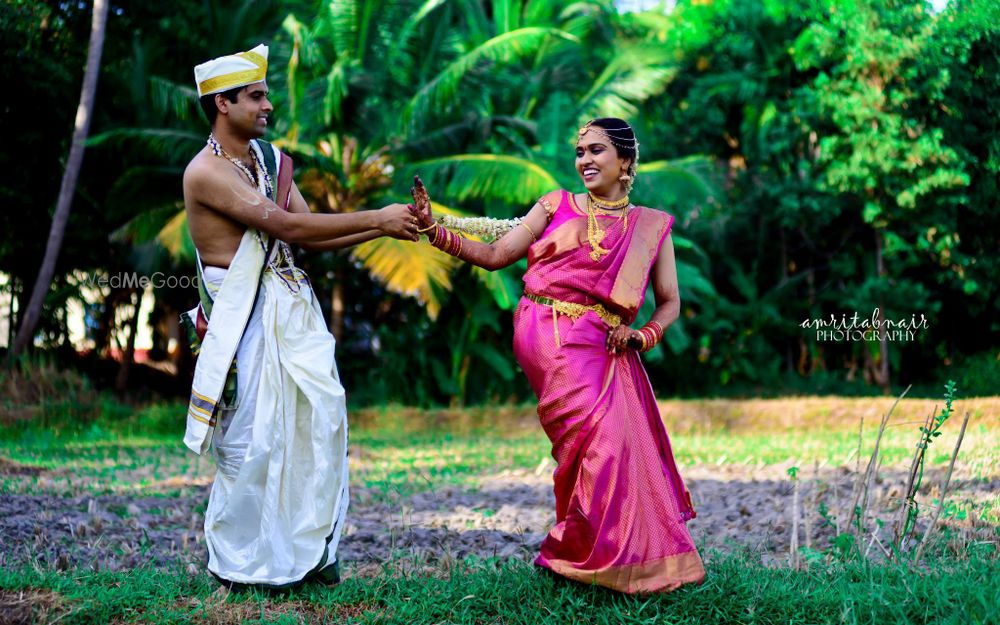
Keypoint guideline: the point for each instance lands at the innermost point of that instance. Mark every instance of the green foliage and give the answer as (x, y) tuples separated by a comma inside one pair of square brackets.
[(848, 175), (508, 178), (497, 50), (977, 374), (820, 159)]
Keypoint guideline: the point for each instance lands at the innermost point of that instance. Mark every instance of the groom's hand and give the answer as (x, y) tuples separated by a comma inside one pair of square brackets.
[(396, 221)]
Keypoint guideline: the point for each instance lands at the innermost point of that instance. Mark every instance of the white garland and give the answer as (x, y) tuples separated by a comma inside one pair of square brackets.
[(486, 227)]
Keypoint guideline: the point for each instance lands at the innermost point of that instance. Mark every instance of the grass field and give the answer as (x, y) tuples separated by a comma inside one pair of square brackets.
[(399, 453), (736, 591)]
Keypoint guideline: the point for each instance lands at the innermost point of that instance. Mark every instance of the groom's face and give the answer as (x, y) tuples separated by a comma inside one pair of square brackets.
[(249, 114)]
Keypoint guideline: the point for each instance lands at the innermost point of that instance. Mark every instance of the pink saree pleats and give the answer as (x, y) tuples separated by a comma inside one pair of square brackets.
[(621, 505)]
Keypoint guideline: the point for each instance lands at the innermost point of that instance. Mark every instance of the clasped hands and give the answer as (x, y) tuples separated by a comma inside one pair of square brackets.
[(421, 207), (407, 221)]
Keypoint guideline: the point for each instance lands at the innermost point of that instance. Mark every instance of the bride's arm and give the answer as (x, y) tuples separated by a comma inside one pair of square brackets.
[(503, 252), (665, 288), (668, 306)]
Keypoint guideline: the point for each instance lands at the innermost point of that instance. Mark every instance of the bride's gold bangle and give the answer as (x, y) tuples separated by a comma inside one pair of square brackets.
[(433, 225)]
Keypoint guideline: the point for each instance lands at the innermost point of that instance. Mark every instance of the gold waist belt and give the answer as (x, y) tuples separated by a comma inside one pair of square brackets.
[(574, 310)]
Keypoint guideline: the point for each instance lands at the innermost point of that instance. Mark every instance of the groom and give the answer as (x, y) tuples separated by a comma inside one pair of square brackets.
[(266, 395)]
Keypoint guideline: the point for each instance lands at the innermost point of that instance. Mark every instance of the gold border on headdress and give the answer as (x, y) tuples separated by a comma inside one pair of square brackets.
[(229, 81), (254, 58)]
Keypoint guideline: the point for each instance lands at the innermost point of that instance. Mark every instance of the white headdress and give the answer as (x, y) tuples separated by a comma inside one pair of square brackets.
[(231, 71)]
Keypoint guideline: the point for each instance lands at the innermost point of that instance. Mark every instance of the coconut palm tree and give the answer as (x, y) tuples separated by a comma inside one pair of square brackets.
[(482, 98), (589, 61), (67, 189)]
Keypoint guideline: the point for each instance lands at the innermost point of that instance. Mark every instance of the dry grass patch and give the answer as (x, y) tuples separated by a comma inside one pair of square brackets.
[(30, 605), (832, 413), (10, 467), (225, 608), (455, 420)]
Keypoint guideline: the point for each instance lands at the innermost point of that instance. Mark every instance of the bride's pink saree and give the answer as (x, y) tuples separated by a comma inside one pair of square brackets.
[(621, 505)]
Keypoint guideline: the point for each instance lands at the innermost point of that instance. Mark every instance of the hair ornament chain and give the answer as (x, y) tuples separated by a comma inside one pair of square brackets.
[(622, 144)]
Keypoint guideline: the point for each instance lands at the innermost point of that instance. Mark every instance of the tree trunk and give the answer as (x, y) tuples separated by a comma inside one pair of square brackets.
[(789, 356), (67, 189), (106, 323), (880, 369), (128, 357), (11, 322)]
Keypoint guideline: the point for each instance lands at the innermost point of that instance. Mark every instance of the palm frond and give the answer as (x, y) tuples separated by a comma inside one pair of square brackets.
[(145, 226), (488, 176), (411, 24), (501, 49), (298, 148), (296, 30), (691, 179), (628, 59), (504, 285), (555, 120), (655, 22), (342, 22), (147, 258), (450, 138), (677, 338), (170, 143), (693, 283), (539, 12), (586, 18), (416, 270), (621, 97), (169, 97), (336, 90), (139, 184), (636, 73), (441, 209), (506, 16), (175, 237)]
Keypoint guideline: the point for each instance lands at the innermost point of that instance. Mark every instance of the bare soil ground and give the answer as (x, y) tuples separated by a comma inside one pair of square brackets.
[(504, 515)]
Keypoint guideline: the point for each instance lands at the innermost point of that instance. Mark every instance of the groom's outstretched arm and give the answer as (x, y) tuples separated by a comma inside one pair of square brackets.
[(217, 185), (297, 204)]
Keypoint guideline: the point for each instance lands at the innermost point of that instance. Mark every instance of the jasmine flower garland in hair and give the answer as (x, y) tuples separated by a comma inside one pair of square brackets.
[(486, 227)]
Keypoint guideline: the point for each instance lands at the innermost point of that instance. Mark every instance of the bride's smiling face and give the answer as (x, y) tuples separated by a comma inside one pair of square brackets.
[(598, 164)]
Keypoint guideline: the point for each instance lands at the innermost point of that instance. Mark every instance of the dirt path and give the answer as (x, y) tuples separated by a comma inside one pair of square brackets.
[(504, 516)]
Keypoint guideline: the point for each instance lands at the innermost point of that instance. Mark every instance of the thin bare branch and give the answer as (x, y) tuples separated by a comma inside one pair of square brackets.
[(944, 490)]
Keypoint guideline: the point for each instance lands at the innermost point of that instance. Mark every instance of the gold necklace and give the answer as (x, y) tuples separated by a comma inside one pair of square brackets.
[(254, 175), (596, 234), (608, 204)]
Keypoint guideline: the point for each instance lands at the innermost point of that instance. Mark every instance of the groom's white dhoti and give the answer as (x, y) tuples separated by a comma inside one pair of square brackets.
[(278, 503)]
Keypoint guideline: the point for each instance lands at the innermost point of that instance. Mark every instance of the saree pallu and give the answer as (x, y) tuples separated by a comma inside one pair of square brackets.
[(621, 506)]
